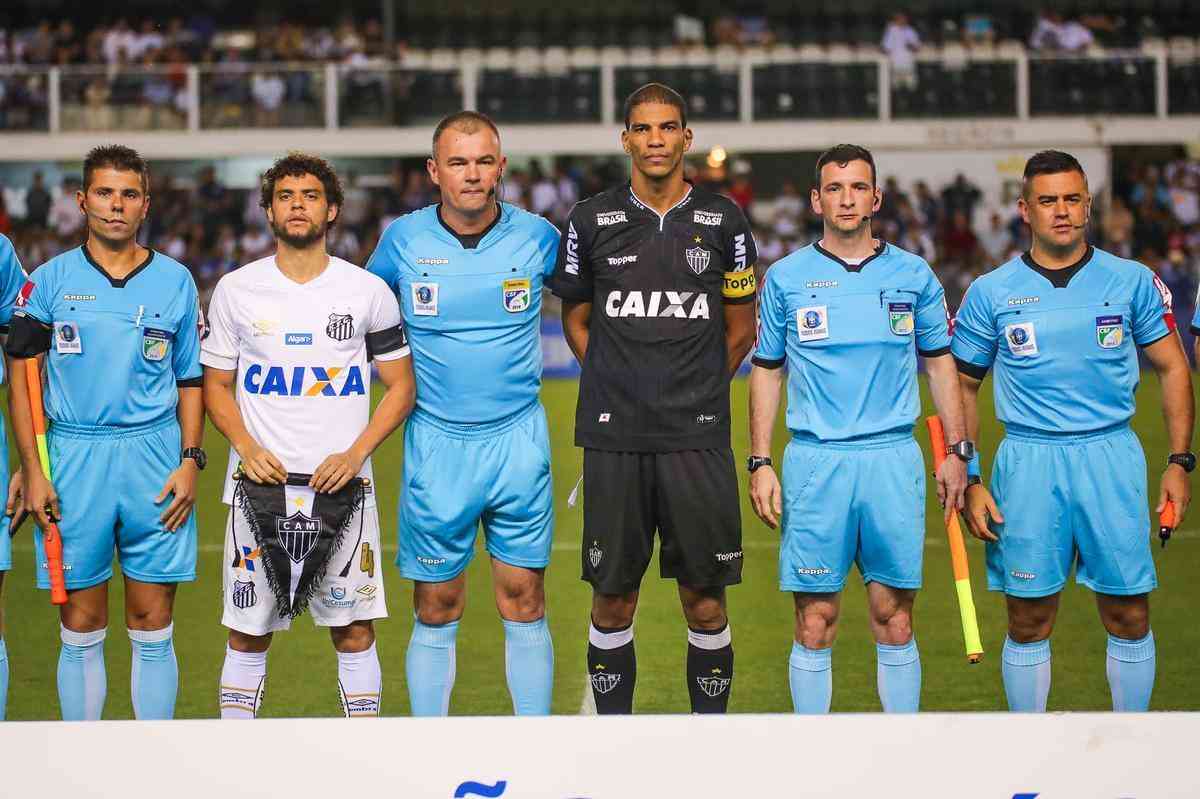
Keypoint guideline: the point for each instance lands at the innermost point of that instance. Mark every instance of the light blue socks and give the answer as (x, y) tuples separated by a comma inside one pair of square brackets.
[(529, 666), (3, 679), (82, 682), (429, 665), (810, 675), (898, 674), (154, 680), (1131, 672), (1026, 672)]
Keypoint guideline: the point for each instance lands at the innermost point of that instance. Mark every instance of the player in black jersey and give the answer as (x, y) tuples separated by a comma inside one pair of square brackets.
[(658, 289)]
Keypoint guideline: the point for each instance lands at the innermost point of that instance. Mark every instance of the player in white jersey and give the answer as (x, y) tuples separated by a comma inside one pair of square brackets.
[(287, 380)]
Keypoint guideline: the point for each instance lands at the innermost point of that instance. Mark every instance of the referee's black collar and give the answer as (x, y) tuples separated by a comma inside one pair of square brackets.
[(470, 241), (115, 282), (1059, 278), (852, 267)]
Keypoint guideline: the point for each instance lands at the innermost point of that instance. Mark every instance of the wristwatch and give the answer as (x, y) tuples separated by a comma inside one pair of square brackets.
[(1185, 459), (963, 449), (196, 454), (755, 461)]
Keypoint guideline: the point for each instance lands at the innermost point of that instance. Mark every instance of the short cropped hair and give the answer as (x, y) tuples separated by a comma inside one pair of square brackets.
[(1049, 162), (115, 156), (656, 93), (467, 122), (842, 154), (295, 165)]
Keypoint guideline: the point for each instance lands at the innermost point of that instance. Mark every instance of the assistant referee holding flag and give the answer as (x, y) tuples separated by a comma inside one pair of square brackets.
[(658, 287)]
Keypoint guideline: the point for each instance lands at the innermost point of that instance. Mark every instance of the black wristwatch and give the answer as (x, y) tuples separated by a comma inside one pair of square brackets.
[(755, 461), (196, 454), (1185, 459), (963, 449)]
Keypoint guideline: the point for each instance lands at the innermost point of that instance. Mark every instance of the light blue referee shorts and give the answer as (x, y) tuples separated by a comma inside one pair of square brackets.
[(5, 521), (860, 501), (107, 479), (1071, 500), (456, 476)]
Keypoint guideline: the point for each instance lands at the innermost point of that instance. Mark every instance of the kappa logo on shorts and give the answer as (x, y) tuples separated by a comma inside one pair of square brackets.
[(595, 554), (243, 595), (810, 572), (425, 561), (1023, 575), (603, 683)]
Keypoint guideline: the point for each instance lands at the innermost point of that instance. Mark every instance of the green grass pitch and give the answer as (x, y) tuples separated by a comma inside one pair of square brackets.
[(302, 671)]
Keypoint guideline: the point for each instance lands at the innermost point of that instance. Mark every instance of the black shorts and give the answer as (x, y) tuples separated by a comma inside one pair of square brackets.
[(690, 497)]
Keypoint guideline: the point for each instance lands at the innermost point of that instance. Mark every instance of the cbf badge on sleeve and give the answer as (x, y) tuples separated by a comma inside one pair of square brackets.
[(516, 295), (66, 338), (900, 318), (1110, 331), (155, 344)]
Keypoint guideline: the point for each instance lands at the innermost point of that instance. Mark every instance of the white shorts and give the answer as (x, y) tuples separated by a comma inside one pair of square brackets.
[(351, 591)]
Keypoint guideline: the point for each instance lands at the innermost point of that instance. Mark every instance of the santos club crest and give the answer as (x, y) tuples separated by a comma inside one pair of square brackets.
[(340, 327), (698, 258)]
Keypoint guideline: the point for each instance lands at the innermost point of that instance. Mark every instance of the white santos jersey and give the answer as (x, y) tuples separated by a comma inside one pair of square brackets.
[(301, 352)]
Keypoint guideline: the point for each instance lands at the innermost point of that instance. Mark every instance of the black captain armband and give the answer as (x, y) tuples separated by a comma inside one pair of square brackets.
[(970, 369), (382, 342), (27, 337)]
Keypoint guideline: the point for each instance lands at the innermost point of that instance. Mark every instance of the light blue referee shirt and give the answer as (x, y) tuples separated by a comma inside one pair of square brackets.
[(850, 335), (1062, 341), (472, 313)]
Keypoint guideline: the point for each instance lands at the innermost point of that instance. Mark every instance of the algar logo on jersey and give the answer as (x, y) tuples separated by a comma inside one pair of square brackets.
[(304, 381), (661, 304)]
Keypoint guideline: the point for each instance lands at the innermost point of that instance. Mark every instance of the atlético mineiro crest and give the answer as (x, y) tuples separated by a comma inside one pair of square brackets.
[(340, 327), (595, 554), (698, 258), (713, 686), (603, 683), (298, 535)]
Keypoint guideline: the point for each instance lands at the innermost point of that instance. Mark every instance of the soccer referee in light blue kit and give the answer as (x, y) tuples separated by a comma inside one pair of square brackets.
[(119, 327), (849, 315), (1062, 325), (468, 273)]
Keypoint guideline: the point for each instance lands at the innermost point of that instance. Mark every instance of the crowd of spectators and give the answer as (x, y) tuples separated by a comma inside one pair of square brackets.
[(1151, 213)]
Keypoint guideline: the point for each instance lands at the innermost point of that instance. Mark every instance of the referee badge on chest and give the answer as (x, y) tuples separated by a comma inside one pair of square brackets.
[(900, 318), (1110, 331), (155, 344), (812, 323), (1022, 339), (66, 338), (516, 294), (425, 299)]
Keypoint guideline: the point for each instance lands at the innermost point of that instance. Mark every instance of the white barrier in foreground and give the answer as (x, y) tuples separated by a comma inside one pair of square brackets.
[(982, 756)]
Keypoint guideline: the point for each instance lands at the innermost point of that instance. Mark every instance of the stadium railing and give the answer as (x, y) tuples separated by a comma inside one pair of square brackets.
[(528, 85)]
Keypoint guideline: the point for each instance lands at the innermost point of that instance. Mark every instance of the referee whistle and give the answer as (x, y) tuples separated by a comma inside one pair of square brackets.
[(1166, 523)]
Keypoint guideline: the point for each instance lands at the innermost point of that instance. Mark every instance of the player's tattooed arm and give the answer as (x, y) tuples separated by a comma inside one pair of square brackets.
[(1179, 411), (259, 464), (181, 483), (395, 406), (980, 506), (766, 494)]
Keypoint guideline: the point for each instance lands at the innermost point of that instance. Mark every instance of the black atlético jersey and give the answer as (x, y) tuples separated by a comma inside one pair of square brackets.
[(654, 376)]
